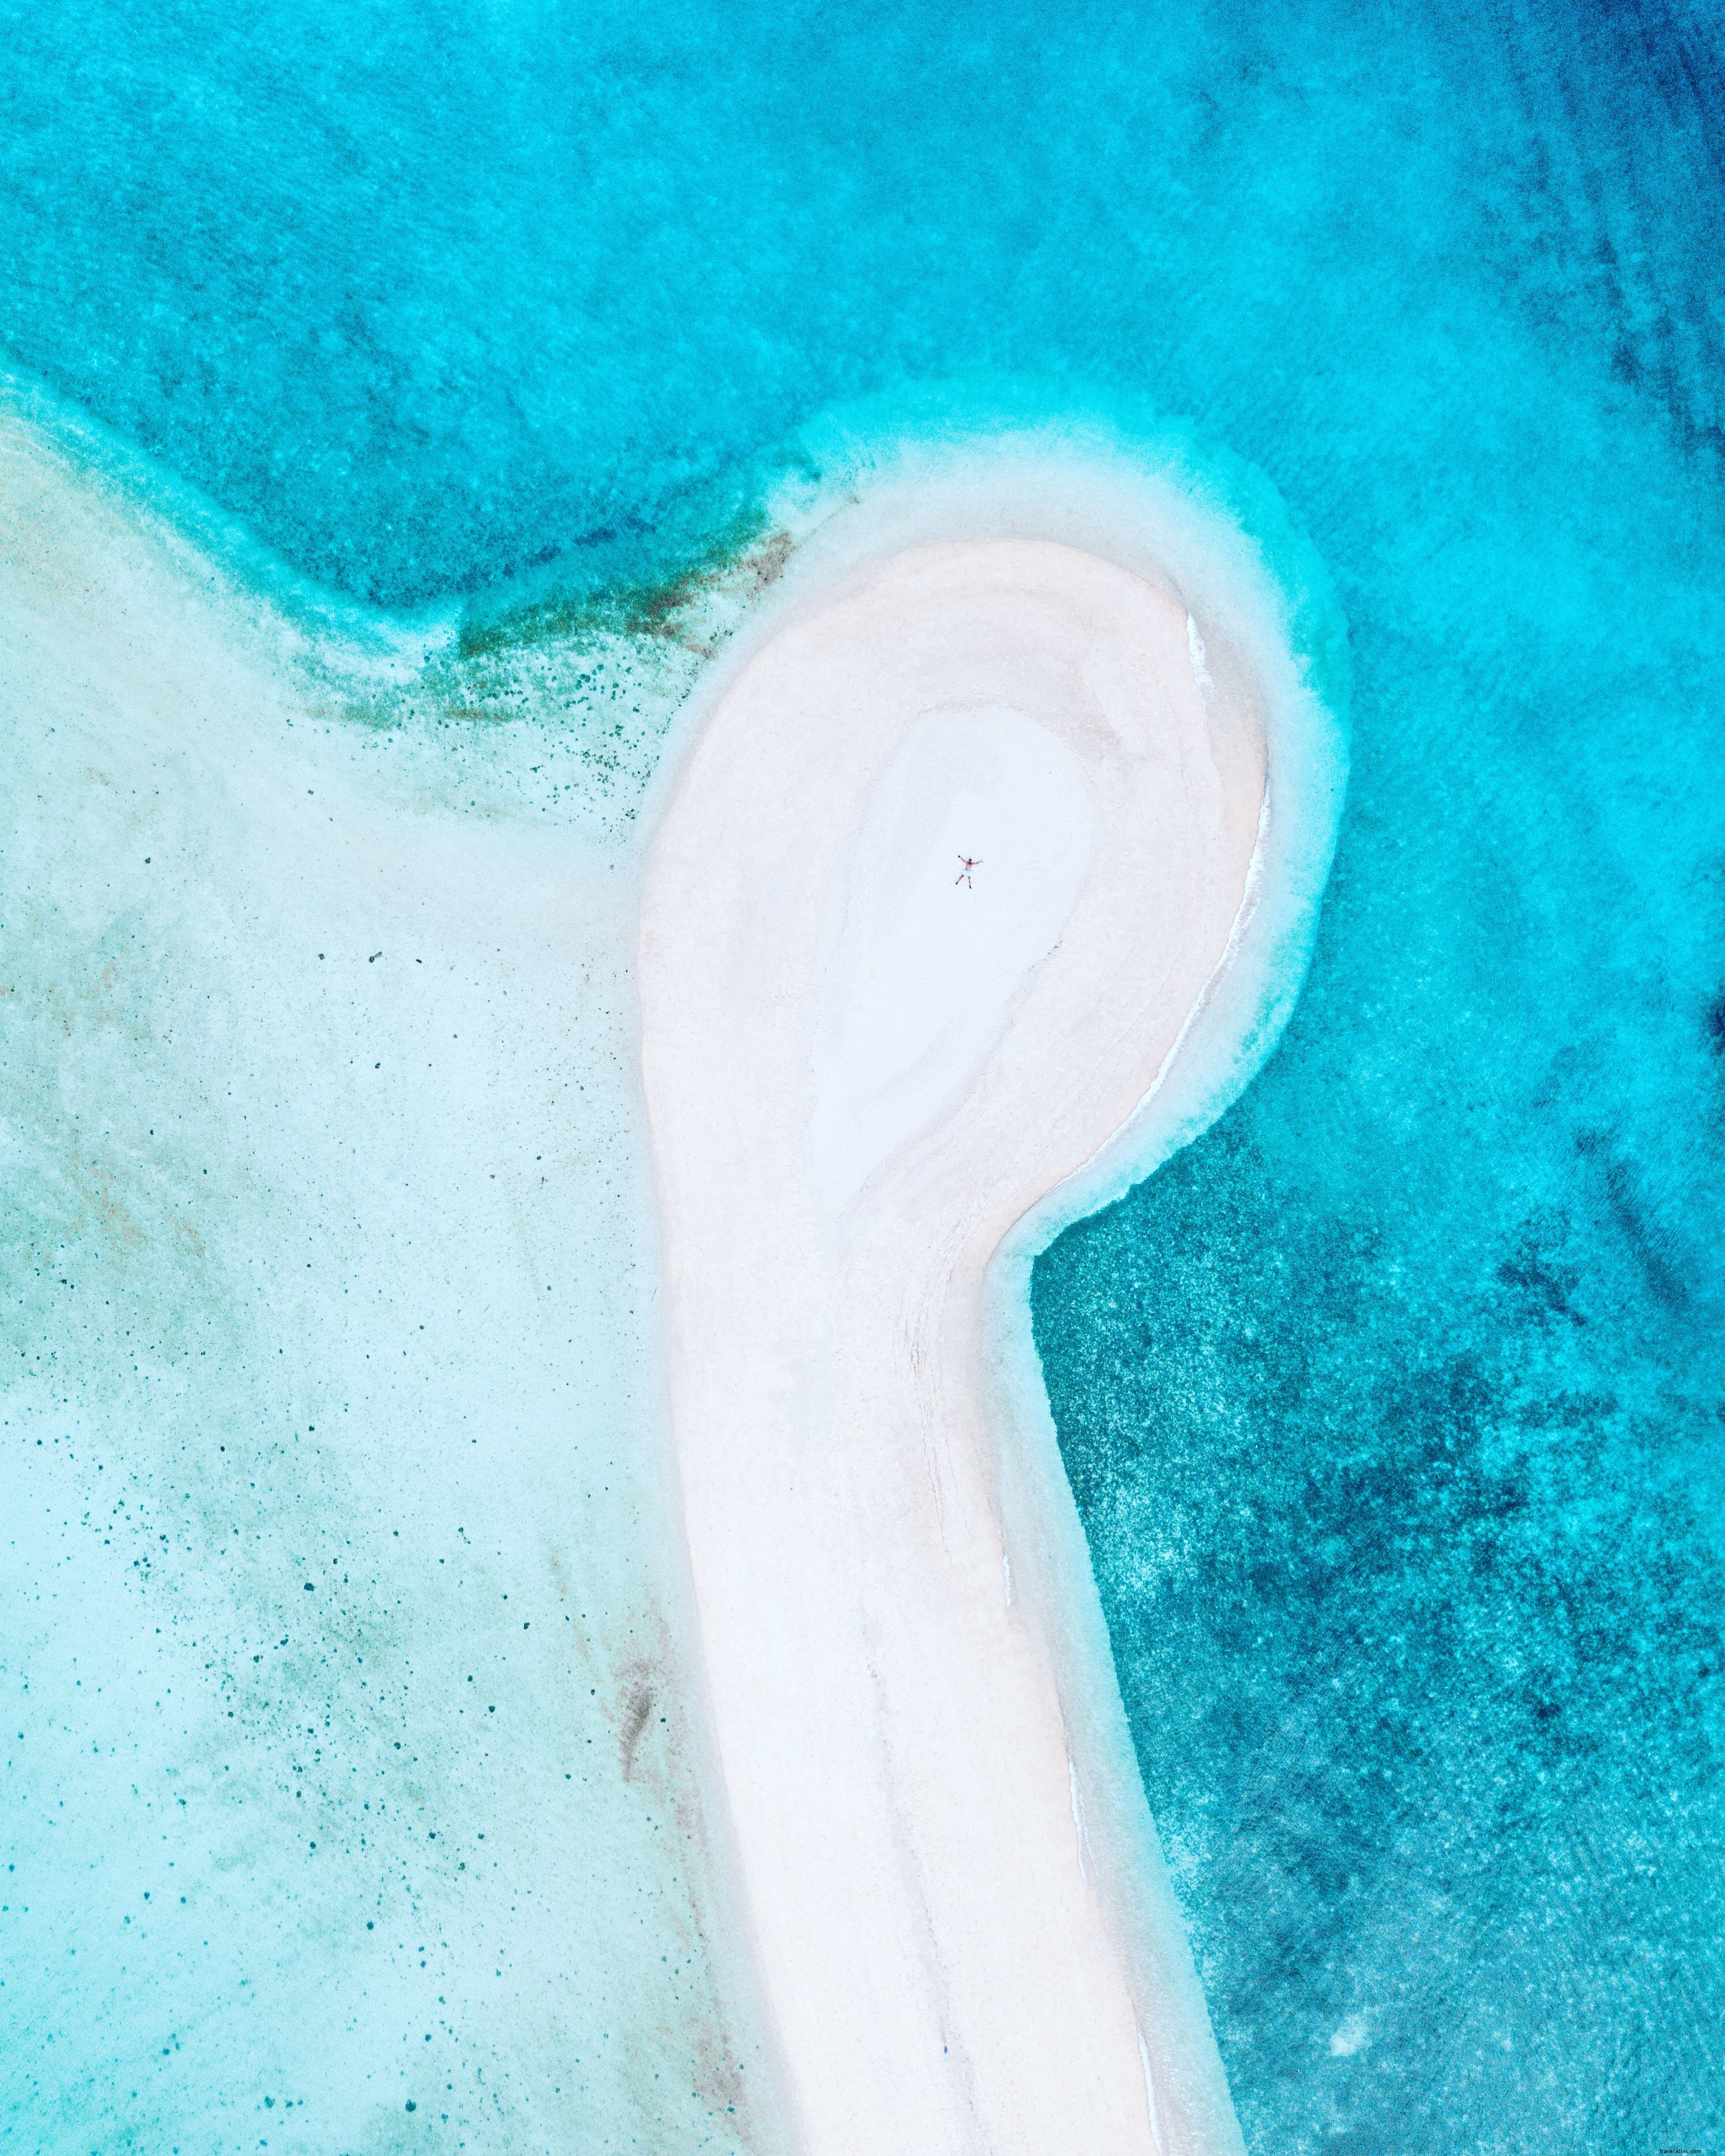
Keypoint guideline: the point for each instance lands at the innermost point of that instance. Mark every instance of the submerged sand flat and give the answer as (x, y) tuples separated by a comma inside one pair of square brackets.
[(863, 1068), (347, 1759)]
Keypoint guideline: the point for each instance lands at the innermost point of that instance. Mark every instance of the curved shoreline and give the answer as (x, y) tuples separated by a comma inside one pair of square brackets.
[(229, 685), (908, 1700)]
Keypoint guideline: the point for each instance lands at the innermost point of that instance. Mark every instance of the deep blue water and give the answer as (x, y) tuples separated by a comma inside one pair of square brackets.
[(1393, 1406)]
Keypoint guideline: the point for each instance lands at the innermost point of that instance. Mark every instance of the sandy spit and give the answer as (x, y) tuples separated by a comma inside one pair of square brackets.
[(864, 1063)]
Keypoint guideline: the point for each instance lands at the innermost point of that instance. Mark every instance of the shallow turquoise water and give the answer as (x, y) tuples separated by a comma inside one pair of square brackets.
[(1393, 1406)]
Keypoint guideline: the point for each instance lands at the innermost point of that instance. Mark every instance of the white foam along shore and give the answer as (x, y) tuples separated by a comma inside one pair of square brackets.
[(875, 1085)]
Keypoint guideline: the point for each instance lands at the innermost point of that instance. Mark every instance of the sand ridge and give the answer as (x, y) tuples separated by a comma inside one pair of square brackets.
[(863, 1066)]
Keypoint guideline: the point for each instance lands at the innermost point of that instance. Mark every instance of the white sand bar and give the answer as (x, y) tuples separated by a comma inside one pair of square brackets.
[(862, 1070)]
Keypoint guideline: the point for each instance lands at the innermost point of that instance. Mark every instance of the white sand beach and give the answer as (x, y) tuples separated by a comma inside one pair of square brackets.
[(863, 1067), (353, 1356)]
